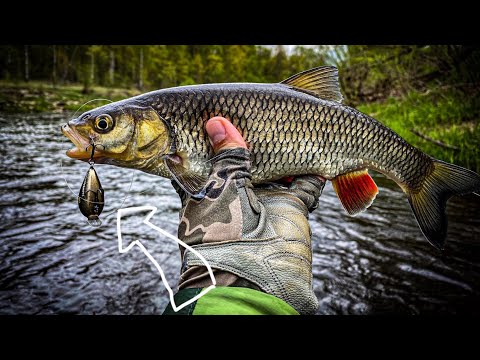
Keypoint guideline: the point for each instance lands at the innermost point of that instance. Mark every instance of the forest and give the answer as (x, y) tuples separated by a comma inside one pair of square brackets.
[(152, 67), (429, 94)]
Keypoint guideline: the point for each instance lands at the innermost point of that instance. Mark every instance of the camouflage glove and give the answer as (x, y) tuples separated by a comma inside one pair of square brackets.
[(252, 237)]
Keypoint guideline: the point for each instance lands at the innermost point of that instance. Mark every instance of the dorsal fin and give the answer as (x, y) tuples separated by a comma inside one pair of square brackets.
[(321, 82)]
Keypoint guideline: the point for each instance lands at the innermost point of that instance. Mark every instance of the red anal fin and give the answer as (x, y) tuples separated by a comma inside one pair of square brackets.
[(356, 191)]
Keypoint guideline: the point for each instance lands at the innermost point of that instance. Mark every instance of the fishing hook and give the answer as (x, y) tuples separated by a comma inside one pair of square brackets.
[(94, 146)]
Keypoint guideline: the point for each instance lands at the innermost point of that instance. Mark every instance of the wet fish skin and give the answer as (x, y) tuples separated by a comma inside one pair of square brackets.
[(292, 128), (289, 133)]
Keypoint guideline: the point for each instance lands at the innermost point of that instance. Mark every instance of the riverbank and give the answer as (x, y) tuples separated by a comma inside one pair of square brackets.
[(444, 127), (42, 97)]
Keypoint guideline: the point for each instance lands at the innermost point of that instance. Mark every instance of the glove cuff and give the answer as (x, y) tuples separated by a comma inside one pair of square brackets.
[(277, 266)]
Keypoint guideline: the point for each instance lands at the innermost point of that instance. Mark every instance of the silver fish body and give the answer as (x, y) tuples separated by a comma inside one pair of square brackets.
[(288, 132), (295, 127)]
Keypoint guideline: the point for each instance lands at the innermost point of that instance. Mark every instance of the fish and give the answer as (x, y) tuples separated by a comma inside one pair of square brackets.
[(91, 197), (296, 127)]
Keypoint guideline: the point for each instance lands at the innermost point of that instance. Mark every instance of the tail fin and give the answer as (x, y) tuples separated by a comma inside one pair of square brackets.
[(429, 203)]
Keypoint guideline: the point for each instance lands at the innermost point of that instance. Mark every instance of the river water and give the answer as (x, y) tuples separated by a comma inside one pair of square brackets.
[(53, 262)]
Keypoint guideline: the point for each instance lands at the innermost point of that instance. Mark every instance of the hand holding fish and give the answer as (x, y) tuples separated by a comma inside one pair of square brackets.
[(296, 127), (257, 239)]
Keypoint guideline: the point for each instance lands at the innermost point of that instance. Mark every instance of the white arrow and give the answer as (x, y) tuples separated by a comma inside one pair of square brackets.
[(122, 250)]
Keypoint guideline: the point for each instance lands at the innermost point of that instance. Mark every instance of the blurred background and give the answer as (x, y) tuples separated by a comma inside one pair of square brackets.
[(428, 94), (52, 262)]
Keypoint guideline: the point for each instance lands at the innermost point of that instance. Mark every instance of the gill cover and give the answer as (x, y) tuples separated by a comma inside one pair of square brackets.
[(152, 134)]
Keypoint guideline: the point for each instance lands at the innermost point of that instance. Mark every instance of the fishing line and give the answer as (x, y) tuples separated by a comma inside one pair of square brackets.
[(90, 101), (61, 162), (98, 222), (127, 196), (90, 201)]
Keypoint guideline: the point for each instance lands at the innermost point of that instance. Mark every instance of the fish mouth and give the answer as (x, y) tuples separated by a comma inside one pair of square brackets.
[(82, 150)]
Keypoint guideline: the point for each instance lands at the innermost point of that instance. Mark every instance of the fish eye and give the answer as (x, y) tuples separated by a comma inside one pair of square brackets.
[(104, 123)]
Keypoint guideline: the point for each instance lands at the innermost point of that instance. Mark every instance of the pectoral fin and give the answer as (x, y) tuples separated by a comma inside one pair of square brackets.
[(356, 191), (190, 182)]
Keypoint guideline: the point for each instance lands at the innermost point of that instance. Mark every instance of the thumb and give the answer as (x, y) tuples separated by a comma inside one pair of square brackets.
[(223, 135)]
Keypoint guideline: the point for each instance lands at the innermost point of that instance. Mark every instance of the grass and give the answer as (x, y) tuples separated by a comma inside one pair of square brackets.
[(41, 97), (448, 119)]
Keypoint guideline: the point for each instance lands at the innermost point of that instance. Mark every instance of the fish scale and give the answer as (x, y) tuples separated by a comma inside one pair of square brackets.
[(336, 126), (293, 128)]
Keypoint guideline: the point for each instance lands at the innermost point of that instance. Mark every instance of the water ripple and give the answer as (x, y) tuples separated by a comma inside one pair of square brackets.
[(52, 262)]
